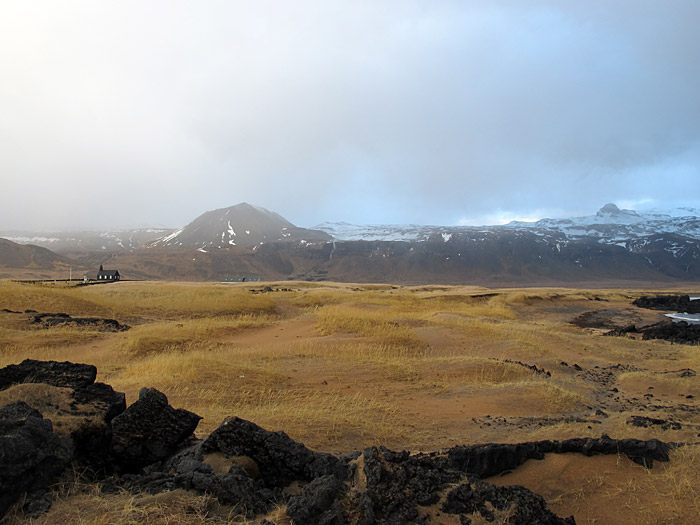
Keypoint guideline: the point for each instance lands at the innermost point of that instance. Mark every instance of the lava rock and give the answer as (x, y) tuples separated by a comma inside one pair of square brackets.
[(102, 397), (397, 483), (148, 431), (676, 332), (31, 455), (485, 499), (646, 422), (279, 458), (319, 503), (97, 323), (99, 404), (494, 458), (623, 330), (64, 374), (674, 303)]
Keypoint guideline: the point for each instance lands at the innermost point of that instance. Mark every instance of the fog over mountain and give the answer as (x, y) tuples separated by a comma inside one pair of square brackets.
[(133, 114)]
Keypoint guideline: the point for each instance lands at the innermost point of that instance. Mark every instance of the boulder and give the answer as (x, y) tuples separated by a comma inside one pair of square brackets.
[(279, 459), (66, 394), (148, 431), (31, 455)]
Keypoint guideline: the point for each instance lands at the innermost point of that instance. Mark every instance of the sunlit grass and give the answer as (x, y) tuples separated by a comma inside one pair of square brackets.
[(126, 300), (165, 336), (341, 367)]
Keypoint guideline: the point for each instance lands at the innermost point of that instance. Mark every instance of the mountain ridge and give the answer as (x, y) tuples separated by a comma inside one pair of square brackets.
[(246, 241)]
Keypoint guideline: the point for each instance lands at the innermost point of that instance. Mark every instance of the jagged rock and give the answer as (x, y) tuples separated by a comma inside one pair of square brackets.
[(245, 466), (319, 503), (673, 303), (184, 471), (676, 332), (399, 487), (102, 397), (491, 459), (520, 504), (65, 374), (65, 391), (98, 404), (280, 459), (392, 487), (31, 455), (148, 431), (396, 483)]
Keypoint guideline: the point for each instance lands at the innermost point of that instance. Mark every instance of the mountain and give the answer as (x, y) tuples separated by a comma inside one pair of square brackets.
[(610, 223), (614, 225), (243, 226), (248, 242), (13, 255), (67, 243), (22, 261)]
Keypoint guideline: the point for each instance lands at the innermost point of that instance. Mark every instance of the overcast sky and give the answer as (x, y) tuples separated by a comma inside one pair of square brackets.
[(136, 113)]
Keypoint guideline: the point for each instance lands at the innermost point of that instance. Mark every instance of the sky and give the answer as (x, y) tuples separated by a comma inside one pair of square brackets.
[(135, 114)]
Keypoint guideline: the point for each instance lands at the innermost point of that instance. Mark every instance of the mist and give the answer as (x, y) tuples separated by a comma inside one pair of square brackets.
[(148, 114)]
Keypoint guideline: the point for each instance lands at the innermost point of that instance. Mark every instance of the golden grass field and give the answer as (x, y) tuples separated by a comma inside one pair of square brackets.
[(341, 367)]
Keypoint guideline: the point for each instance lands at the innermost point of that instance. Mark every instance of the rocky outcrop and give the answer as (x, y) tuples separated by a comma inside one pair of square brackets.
[(85, 408), (676, 332), (278, 458), (64, 374), (150, 430), (150, 448), (673, 331), (670, 303), (31, 455), (491, 502), (494, 458)]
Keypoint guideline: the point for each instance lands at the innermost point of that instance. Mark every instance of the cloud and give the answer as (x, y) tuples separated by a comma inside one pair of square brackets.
[(440, 112)]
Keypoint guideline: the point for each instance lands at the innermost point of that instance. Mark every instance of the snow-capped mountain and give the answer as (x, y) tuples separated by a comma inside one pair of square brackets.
[(344, 231), (609, 224), (612, 245), (242, 225), (613, 225)]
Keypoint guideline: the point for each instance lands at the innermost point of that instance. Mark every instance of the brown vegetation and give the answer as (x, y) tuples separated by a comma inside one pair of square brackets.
[(343, 367)]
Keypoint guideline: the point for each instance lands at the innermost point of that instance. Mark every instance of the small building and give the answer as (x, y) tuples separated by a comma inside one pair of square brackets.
[(107, 275)]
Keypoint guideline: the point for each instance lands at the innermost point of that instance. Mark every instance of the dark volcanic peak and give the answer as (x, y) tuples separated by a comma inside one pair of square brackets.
[(242, 225), (13, 255)]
